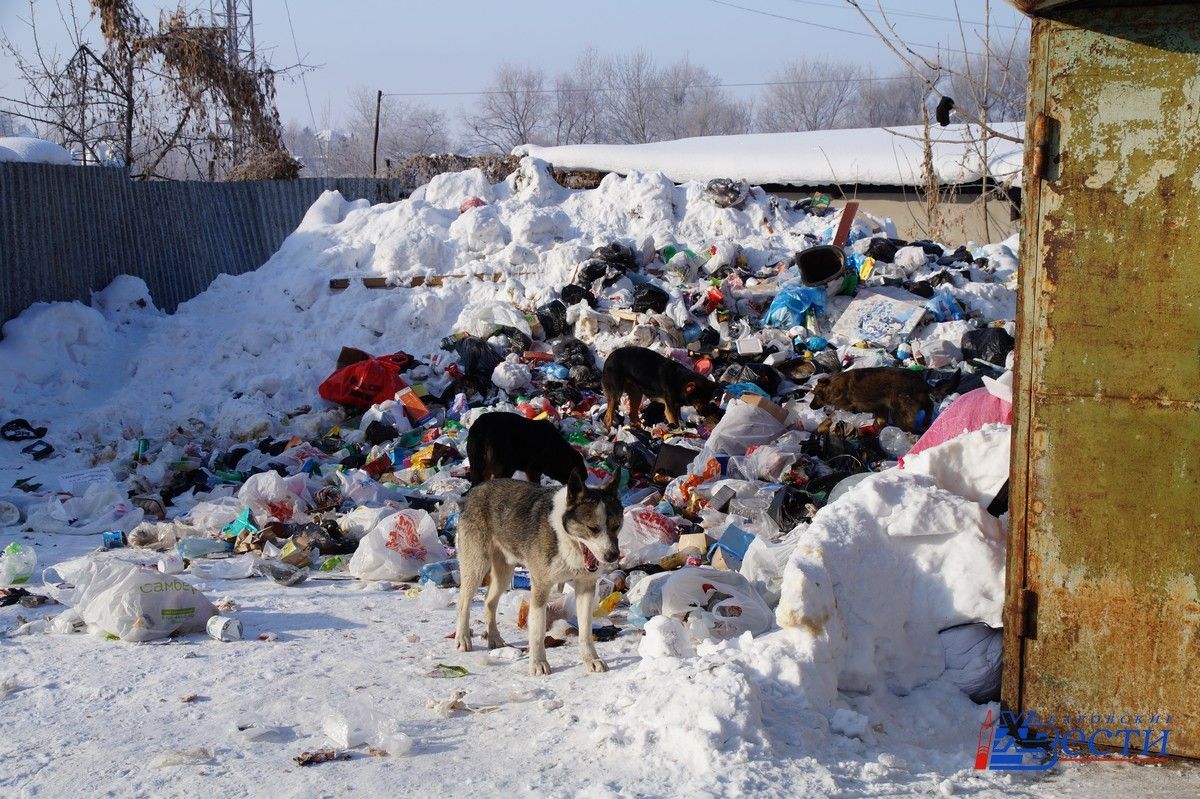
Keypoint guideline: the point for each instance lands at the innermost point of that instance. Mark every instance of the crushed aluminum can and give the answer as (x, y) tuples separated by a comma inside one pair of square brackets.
[(224, 628), (112, 539), (520, 580)]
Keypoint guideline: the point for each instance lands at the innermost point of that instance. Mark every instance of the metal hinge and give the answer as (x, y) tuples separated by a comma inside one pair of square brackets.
[(1027, 614)]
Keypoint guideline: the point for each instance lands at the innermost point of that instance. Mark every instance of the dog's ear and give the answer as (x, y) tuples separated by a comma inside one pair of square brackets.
[(576, 487)]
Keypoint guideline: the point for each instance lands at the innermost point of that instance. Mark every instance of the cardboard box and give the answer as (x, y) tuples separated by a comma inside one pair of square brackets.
[(700, 541)]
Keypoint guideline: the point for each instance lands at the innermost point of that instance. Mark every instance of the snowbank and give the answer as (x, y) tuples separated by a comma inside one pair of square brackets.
[(862, 156), (33, 151)]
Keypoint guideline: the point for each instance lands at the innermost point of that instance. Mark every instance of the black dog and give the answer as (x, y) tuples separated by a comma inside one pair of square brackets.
[(640, 372), (499, 444)]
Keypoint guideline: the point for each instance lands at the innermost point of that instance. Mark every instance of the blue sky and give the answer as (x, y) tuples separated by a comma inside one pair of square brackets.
[(455, 46)]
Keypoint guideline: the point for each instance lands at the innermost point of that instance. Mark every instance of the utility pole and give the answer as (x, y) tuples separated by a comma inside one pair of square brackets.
[(375, 146)]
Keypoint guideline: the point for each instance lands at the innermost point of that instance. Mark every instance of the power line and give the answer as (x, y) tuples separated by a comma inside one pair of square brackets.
[(834, 27), (303, 81), (913, 14)]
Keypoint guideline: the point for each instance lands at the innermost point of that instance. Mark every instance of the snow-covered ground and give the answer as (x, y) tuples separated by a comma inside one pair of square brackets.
[(748, 717)]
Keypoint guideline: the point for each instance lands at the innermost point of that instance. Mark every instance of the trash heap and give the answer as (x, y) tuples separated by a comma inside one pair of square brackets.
[(780, 515)]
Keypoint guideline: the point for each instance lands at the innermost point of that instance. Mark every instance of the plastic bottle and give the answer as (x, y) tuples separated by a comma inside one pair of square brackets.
[(195, 547), (895, 441), (223, 569), (16, 564), (443, 574)]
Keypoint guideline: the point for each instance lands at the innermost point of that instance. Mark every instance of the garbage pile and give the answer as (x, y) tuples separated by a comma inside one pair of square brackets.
[(733, 522)]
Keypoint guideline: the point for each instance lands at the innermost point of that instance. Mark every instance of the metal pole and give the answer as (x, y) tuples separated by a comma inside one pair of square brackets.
[(375, 146)]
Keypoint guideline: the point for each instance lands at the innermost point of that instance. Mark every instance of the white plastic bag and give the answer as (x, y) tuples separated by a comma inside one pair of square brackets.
[(102, 507), (742, 426), (397, 547), (728, 597), (132, 603), (764, 564), (273, 498), (511, 375), (359, 723), (212, 515), (482, 318)]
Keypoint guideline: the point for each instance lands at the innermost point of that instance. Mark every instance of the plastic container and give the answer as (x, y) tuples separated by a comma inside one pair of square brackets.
[(17, 564), (195, 547), (443, 574), (224, 568), (895, 441)]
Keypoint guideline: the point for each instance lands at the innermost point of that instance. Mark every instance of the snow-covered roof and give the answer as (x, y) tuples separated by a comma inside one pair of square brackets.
[(860, 156), (33, 151)]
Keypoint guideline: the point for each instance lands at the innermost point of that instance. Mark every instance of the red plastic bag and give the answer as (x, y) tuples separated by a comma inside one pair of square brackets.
[(366, 382)]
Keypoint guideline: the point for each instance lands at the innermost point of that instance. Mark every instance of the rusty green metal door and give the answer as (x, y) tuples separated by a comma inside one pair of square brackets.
[(1103, 614)]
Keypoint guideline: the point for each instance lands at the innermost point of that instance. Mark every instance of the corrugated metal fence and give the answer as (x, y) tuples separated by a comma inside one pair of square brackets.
[(66, 231)]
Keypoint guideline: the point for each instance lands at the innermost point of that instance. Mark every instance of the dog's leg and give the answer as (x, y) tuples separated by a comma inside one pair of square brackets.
[(635, 407), (538, 594), (612, 400), (472, 567), (585, 595), (672, 414), (501, 577)]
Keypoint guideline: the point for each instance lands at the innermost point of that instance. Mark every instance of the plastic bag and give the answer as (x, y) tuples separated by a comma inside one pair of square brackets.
[(734, 605), (991, 344), (764, 564), (944, 307), (132, 603), (791, 303), (644, 526), (743, 426), (482, 319), (553, 318), (366, 382), (397, 547), (273, 498), (358, 723), (102, 507), (973, 659), (648, 297), (17, 564), (770, 463), (511, 375)]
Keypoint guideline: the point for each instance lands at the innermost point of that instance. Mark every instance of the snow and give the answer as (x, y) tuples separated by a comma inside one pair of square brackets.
[(861, 156), (848, 695), (33, 151)]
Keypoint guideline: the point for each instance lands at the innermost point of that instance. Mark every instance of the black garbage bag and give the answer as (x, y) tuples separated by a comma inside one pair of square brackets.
[(991, 344), (929, 247), (649, 298), (572, 294), (585, 377), (709, 338), (573, 352), (791, 506), (592, 270), (727, 193), (616, 254), (883, 249), (380, 433), (518, 342), (479, 359), (553, 318)]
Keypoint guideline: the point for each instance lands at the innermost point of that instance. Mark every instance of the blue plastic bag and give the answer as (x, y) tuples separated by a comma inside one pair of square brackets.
[(944, 307), (791, 303), (738, 389)]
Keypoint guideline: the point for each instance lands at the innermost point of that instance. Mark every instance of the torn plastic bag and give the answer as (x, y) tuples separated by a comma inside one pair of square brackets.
[(479, 359), (511, 375), (727, 193), (483, 319), (366, 382), (741, 427), (648, 297), (734, 604), (128, 601), (102, 507), (553, 318)]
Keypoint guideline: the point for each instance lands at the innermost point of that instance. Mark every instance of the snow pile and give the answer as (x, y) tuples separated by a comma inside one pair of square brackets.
[(33, 151), (254, 346), (863, 156), (882, 570)]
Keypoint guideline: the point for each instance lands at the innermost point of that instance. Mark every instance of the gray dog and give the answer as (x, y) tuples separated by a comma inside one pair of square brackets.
[(559, 534)]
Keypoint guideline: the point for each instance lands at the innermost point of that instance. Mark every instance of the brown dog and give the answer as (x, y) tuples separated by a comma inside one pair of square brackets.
[(640, 372), (896, 396)]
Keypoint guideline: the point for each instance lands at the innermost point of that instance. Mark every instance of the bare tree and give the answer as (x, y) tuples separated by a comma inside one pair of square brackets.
[(514, 110), (632, 107), (883, 101), (575, 110), (693, 104), (157, 98), (810, 94)]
